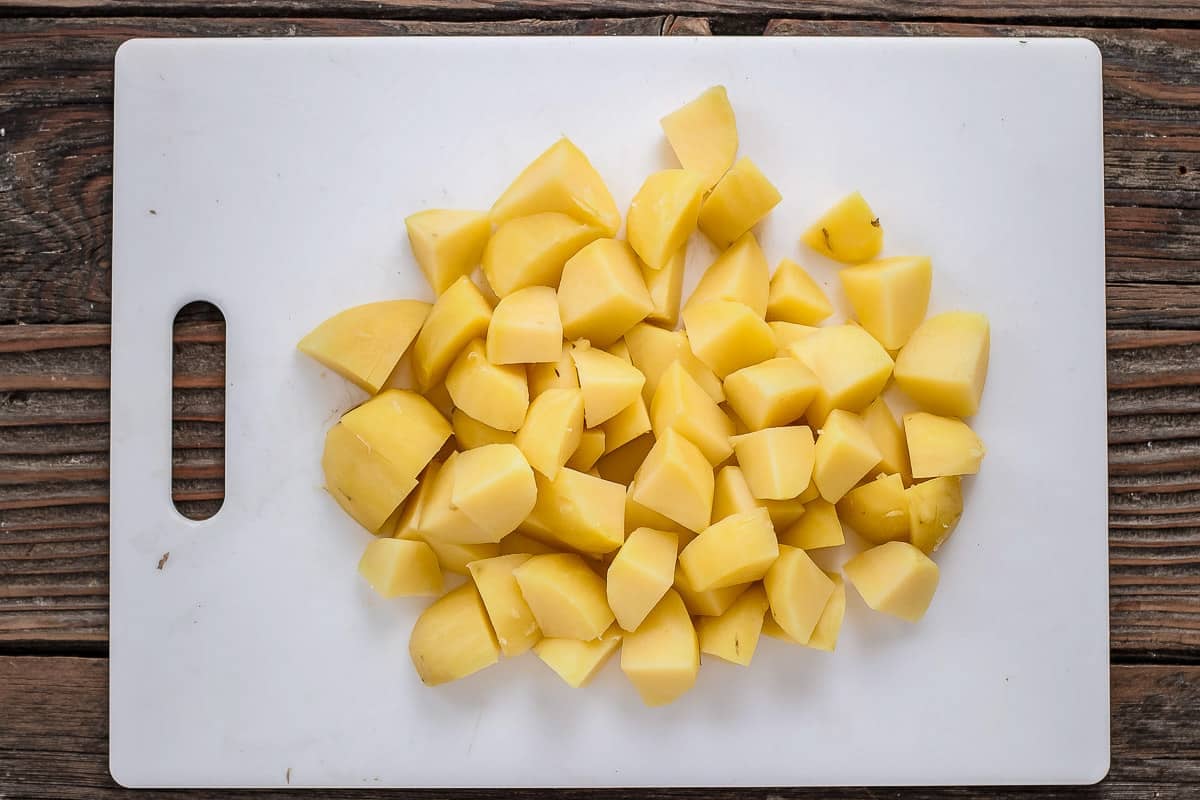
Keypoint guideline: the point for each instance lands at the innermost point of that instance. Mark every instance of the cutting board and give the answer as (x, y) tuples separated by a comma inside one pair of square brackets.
[(271, 177)]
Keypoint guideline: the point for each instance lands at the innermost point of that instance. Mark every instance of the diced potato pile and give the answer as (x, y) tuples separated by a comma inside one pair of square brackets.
[(607, 481)]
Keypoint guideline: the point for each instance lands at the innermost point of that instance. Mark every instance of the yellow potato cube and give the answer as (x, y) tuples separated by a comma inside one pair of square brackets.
[(819, 527), (567, 598), (447, 244), (652, 350), (460, 314), (889, 296), (703, 134), (663, 215), (676, 480), (609, 383), (560, 374), (579, 511), (443, 522), (795, 297), (784, 512), (733, 636), (848, 232), (941, 446), (681, 405), (640, 574), (811, 493), (798, 591), (711, 603), (731, 494), (532, 251), (453, 638), (525, 328), (895, 578), (406, 524), (777, 462), (934, 508), (400, 568), (665, 288), (470, 432), (772, 393), (739, 274), (591, 447), (440, 398), (788, 332), (560, 179), (553, 430), (374, 454), (516, 629), (623, 463), (495, 394), (889, 438), (495, 488), (363, 344), (632, 422), (771, 628), (877, 510), (851, 366), (825, 634), (662, 657), (578, 662), (736, 204), (638, 516), (944, 364), (845, 452), (728, 336), (620, 350), (602, 293), (738, 549)]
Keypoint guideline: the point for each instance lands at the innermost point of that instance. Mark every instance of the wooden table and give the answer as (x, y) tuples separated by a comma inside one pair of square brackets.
[(55, 218)]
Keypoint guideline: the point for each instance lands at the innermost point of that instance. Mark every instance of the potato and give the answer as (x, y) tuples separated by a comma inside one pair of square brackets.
[(711, 603), (579, 511), (736, 204), (561, 374), (944, 365), (895, 578), (591, 447), (622, 464), (934, 508), (516, 629), (889, 296), (788, 332), (777, 462), (640, 574), (739, 274), (771, 628), (526, 328), (620, 350), (494, 486), (406, 523), (532, 251), (878, 510), (738, 549), (440, 399), (638, 516), (400, 568), (578, 662), (552, 430), (453, 638), (798, 591), (731, 494), (567, 598), (609, 384), (848, 232), (825, 634), (939, 446), (703, 134), (364, 343), (733, 636), (602, 293), (442, 521), (632, 421), (665, 288), (495, 394), (889, 438), (663, 215), (784, 512), (845, 452), (728, 336), (681, 405), (795, 297), (374, 454), (460, 314), (447, 244), (470, 432), (560, 179), (676, 480), (521, 544), (819, 527), (772, 393), (652, 350), (662, 657), (851, 366)]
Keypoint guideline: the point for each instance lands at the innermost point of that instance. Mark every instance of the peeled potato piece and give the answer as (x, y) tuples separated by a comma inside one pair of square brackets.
[(563, 180), (733, 636), (662, 657), (704, 135), (895, 578), (848, 232), (663, 215), (578, 662), (364, 343), (447, 243), (453, 638)]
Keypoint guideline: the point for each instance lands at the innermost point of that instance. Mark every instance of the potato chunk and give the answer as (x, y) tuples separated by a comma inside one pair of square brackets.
[(852, 367), (552, 430), (798, 591), (934, 508), (777, 462), (525, 328), (630, 423), (470, 432), (442, 521), (710, 603), (771, 393), (364, 343), (731, 494), (447, 243), (889, 296), (663, 215), (495, 394), (825, 634), (848, 232), (703, 134), (579, 511), (728, 336), (516, 629), (662, 657), (819, 527), (609, 383), (460, 314), (591, 447), (681, 405), (453, 638), (622, 464), (736, 204), (944, 364), (602, 293), (567, 598), (845, 452), (665, 288), (561, 374), (676, 480), (531, 251), (738, 549), (652, 350), (733, 636), (494, 486), (638, 516), (739, 274), (877, 510), (640, 574), (889, 438), (400, 568), (941, 446), (788, 332), (578, 662), (895, 578), (561, 179), (795, 297)]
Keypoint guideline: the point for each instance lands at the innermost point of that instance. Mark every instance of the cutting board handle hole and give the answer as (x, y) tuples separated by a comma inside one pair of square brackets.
[(198, 411)]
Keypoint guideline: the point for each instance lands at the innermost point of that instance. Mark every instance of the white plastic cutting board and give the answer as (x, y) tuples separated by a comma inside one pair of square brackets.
[(272, 176)]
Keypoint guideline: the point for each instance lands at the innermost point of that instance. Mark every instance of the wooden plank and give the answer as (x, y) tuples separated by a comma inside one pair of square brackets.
[(54, 743)]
